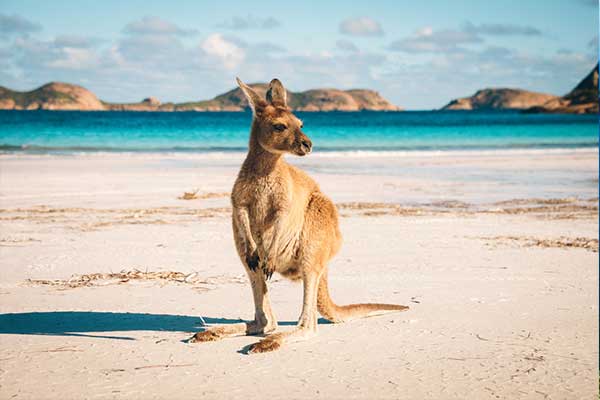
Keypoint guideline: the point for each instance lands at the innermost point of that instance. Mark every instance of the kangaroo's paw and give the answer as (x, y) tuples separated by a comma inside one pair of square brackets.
[(205, 336), (269, 343), (264, 346), (253, 261), (267, 267)]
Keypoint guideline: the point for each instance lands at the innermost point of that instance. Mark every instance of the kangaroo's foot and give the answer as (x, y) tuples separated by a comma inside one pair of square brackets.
[(241, 329), (270, 343), (209, 335), (276, 340)]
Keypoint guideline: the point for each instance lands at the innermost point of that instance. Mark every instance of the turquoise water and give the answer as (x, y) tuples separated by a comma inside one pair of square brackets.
[(64, 132)]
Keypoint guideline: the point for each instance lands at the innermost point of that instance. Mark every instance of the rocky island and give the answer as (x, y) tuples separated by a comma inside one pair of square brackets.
[(583, 99), (52, 96), (500, 99)]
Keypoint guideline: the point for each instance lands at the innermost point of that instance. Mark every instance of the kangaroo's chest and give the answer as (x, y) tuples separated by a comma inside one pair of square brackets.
[(275, 214), (266, 198)]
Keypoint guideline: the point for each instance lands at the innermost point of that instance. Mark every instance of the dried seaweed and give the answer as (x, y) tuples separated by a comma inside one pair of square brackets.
[(112, 278), (189, 195), (561, 242), (193, 195), (91, 219), (17, 242)]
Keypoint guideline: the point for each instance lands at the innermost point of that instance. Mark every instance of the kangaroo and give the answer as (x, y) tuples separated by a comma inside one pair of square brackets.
[(283, 223)]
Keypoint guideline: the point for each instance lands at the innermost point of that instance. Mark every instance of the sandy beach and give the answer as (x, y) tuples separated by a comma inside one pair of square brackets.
[(106, 270)]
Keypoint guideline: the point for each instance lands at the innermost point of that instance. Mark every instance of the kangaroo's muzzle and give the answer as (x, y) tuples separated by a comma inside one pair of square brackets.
[(305, 147)]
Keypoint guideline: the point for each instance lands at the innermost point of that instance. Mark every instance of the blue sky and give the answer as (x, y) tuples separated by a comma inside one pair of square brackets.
[(417, 54)]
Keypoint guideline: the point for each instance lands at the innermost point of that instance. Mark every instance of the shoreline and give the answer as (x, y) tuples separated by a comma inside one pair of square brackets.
[(235, 153), (151, 180)]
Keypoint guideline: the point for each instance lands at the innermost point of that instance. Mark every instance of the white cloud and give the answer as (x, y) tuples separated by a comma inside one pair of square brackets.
[(593, 43), (156, 26), (250, 22), (47, 56), (15, 24), (267, 47), (75, 41), (361, 26), (147, 49), (74, 58), (501, 29), (346, 45), (425, 31), (227, 51), (426, 40)]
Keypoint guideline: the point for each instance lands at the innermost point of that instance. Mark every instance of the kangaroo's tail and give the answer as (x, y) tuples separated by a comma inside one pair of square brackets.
[(334, 313)]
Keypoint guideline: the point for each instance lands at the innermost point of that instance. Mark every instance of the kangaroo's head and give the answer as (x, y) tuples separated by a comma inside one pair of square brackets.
[(276, 129)]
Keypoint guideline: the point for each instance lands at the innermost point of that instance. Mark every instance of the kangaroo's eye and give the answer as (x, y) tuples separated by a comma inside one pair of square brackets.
[(279, 127)]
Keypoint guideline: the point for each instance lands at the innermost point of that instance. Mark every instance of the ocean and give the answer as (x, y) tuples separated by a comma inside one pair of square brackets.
[(51, 132)]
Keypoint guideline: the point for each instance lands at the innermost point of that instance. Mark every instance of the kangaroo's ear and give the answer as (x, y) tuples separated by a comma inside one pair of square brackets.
[(276, 93), (256, 103)]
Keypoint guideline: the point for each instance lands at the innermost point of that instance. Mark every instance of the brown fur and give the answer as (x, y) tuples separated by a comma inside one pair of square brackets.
[(283, 223)]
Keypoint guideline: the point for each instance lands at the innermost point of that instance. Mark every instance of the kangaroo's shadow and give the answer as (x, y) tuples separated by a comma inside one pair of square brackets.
[(82, 323)]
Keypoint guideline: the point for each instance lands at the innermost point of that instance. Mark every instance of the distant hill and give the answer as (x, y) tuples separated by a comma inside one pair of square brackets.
[(64, 96), (310, 100), (500, 99), (581, 100), (52, 96)]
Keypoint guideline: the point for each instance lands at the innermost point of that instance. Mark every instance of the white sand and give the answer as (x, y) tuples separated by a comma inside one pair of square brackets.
[(489, 318)]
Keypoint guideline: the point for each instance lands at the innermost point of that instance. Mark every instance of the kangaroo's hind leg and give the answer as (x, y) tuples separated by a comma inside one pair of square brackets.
[(307, 323), (264, 320), (319, 241)]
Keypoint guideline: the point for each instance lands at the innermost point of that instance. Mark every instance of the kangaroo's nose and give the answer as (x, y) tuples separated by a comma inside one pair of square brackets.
[(306, 145)]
